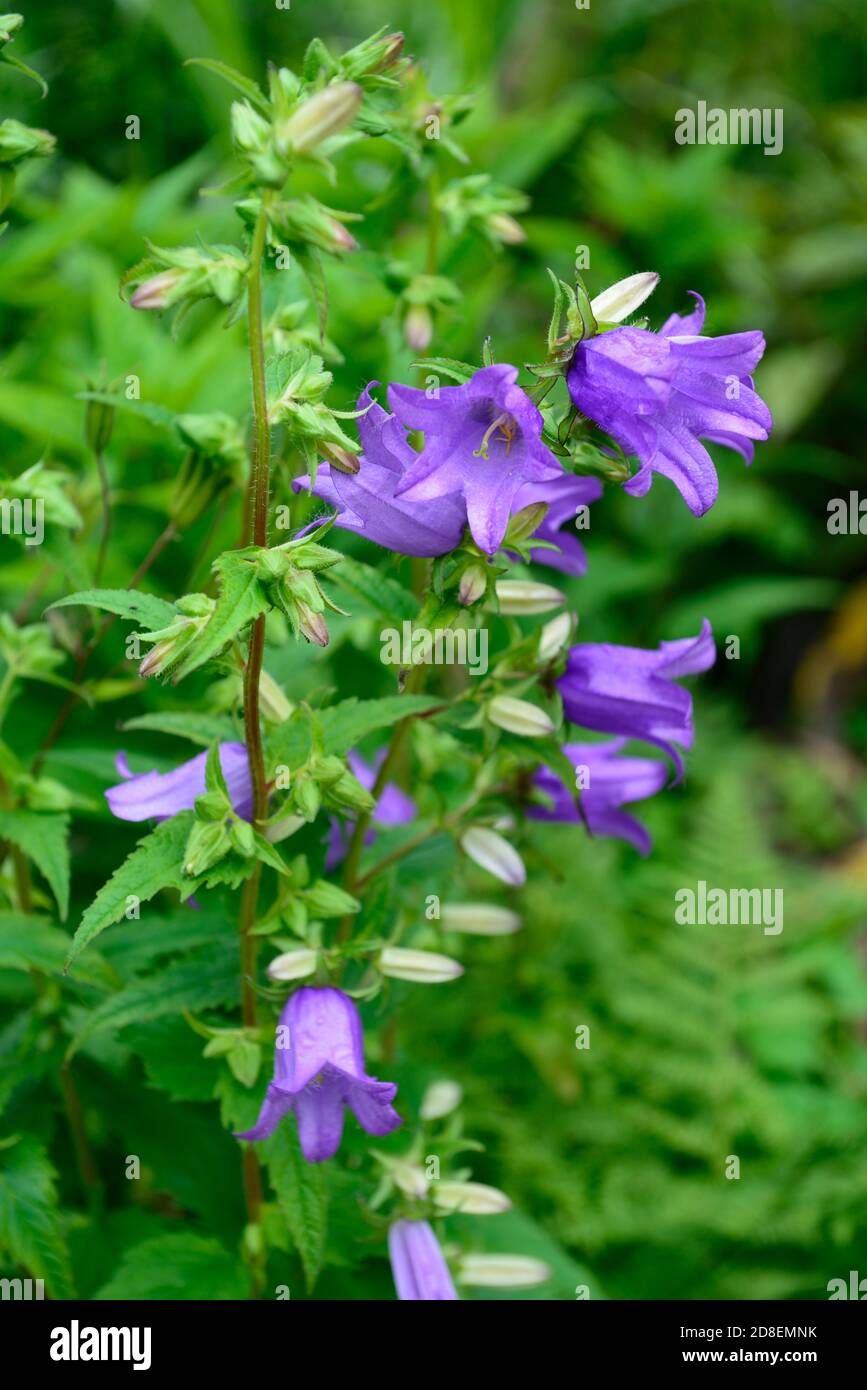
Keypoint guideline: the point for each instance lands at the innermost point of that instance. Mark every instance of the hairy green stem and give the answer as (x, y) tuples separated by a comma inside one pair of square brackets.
[(105, 495), (257, 511)]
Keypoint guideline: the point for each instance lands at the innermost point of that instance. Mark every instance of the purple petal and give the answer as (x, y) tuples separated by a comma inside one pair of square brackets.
[(418, 1265)]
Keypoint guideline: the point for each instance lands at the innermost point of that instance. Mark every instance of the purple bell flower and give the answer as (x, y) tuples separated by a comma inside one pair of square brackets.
[(420, 1271), (481, 439), (159, 795), (394, 807), (632, 692), (611, 782), (366, 502), (564, 496), (660, 394), (318, 1069)]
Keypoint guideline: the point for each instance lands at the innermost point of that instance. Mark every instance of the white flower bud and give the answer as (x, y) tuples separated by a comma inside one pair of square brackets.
[(421, 967), (554, 636), (318, 119), (490, 851), (523, 597), (409, 1178), (479, 919), (293, 965), (519, 717), (471, 1198), (619, 301), (502, 1271), (282, 829), (440, 1099)]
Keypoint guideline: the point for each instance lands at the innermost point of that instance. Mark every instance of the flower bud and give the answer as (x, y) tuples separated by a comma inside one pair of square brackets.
[(326, 899), (523, 597), (440, 1099), (307, 798), (470, 1198), (554, 636), (208, 841), (18, 141), (282, 829), (479, 919), (519, 717), (502, 1271), (410, 1178), (312, 625), (421, 967), (619, 301), (340, 458), (293, 965), (173, 641), (473, 585), (392, 49), (320, 117), (505, 229), (418, 327), (156, 292), (490, 851)]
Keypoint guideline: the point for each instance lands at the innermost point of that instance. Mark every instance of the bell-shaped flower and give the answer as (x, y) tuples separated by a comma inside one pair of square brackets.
[(482, 439), (633, 692), (660, 394), (418, 1264), (319, 1069), (159, 795), (607, 781)]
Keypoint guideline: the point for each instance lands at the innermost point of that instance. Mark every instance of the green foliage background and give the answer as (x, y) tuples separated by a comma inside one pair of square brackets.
[(706, 1042)]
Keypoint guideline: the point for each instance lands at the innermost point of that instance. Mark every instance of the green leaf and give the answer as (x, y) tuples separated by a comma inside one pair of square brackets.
[(235, 79), (145, 609), (182, 1266), (30, 1227), (155, 863), (301, 1193), (202, 729), (449, 366), (342, 726), (200, 981), (242, 598), (30, 943), (43, 838), (376, 592)]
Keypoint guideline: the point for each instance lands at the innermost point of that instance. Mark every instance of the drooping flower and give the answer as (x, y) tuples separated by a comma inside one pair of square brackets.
[(394, 807), (633, 692), (159, 795), (481, 439), (366, 502), (564, 495), (319, 1069), (660, 394), (608, 781), (417, 1263)]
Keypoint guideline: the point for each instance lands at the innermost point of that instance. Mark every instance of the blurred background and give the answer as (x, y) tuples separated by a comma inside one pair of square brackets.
[(706, 1042)]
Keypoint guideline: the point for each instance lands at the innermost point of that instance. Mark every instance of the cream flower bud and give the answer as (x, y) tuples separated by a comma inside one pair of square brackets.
[(503, 1271), (519, 717), (155, 293), (324, 115), (479, 919), (409, 1178), (421, 967), (293, 965), (490, 851), (440, 1099), (524, 597), (418, 327), (619, 301), (506, 229), (471, 1198), (554, 636), (282, 829)]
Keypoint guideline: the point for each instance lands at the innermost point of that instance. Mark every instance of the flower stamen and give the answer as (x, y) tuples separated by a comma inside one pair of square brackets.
[(505, 427)]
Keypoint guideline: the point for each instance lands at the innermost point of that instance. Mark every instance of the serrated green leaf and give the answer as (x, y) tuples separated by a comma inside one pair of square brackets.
[(301, 1193), (155, 863), (200, 981), (182, 1266), (30, 1227), (377, 594), (202, 729), (43, 838), (30, 943), (242, 598), (145, 609)]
